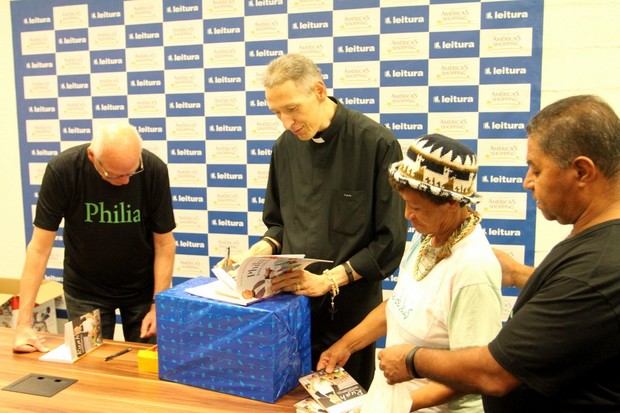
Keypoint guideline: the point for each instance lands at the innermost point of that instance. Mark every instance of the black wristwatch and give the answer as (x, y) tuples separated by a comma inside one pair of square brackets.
[(410, 361), (349, 271)]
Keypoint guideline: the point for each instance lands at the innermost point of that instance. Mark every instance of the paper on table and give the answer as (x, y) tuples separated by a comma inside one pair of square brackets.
[(61, 354), (218, 290), (82, 335)]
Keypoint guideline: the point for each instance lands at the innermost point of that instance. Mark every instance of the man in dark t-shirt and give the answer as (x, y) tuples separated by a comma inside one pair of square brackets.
[(115, 200), (559, 350)]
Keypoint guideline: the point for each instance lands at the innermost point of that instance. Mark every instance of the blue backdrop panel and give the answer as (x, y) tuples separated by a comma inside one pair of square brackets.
[(187, 74)]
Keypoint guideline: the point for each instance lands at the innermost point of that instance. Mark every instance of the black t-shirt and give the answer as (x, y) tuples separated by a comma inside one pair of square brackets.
[(563, 340), (108, 230)]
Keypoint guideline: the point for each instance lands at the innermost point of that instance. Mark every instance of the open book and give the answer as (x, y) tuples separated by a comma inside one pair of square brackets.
[(250, 280), (336, 392), (82, 335)]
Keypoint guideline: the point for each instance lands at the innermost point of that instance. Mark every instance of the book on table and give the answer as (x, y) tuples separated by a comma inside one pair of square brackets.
[(250, 280), (82, 335), (308, 405), (336, 392)]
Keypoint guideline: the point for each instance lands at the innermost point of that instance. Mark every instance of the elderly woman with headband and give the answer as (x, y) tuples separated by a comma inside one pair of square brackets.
[(448, 293)]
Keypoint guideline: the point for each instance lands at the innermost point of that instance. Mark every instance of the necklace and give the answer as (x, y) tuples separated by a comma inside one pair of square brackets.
[(429, 256)]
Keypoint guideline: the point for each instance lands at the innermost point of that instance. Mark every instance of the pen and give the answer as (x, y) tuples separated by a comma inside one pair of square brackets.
[(227, 255), (118, 353)]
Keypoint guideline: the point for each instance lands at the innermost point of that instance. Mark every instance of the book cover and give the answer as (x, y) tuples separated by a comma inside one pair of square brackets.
[(308, 405), (250, 280), (82, 335), (336, 392)]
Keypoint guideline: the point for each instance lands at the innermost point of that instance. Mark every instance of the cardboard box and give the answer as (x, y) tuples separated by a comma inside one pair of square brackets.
[(44, 315), (257, 351), (147, 360)]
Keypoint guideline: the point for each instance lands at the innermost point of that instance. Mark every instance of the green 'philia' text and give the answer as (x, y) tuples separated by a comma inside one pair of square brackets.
[(117, 214)]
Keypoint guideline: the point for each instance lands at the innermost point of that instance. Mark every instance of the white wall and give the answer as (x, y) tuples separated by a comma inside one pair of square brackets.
[(12, 236), (581, 54)]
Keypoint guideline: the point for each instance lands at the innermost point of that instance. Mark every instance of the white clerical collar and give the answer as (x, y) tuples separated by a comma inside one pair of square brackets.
[(318, 140)]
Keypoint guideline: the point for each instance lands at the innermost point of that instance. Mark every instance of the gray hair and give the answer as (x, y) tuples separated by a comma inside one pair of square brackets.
[(113, 135), (583, 125), (296, 67)]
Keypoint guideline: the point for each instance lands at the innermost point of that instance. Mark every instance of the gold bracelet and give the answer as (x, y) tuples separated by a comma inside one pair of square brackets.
[(334, 291)]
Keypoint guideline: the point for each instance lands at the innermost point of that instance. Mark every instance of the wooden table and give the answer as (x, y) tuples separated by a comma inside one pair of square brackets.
[(114, 386)]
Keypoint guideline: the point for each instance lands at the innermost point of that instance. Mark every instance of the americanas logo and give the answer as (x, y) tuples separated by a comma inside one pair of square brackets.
[(228, 79), (146, 82), (184, 57), (509, 14), (227, 176), (185, 104), (454, 99), (75, 129), (110, 107), (226, 127), (505, 125), (404, 73), (451, 45), (404, 19), (503, 205), (316, 24), (224, 30), (191, 244), (256, 200), (506, 70), (228, 222), (498, 179), (189, 198), (259, 152), (256, 104), (186, 152), (145, 35), (356, 48)]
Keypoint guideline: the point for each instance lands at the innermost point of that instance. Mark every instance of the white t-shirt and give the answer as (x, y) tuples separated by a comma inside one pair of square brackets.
[(457, 305)]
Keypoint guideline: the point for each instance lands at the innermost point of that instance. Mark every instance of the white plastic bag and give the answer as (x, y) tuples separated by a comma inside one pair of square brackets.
[(386, 398)]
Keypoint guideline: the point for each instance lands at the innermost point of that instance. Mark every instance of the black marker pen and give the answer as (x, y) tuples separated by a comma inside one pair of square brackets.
[(118, 353)]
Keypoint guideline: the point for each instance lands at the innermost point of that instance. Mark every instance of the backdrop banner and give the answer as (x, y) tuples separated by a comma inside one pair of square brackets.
[(187, 74)]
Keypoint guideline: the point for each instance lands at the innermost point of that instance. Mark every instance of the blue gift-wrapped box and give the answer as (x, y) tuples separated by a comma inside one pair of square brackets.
[(257, 351)]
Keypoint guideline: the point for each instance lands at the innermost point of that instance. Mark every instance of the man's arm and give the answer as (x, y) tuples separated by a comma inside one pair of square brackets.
[(383, 254), (432, 394), (37, 256), (162, 272), (514, 274), (470, 370)]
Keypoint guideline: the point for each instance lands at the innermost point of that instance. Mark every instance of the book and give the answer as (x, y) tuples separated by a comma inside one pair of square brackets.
[(308, 405), (82, 335), (336, 392), (250, 281)]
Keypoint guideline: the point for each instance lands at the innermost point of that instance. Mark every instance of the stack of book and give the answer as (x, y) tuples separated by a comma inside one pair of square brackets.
[(335, 392)]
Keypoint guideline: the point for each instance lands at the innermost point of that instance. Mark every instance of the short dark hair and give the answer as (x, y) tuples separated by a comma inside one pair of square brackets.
[(583, 125)]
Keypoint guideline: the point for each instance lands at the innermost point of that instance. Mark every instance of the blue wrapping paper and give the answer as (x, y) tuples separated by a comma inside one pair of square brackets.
[(257, 352)]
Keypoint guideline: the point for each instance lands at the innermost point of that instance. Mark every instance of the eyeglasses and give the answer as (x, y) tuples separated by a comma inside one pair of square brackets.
[(106, 175)]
